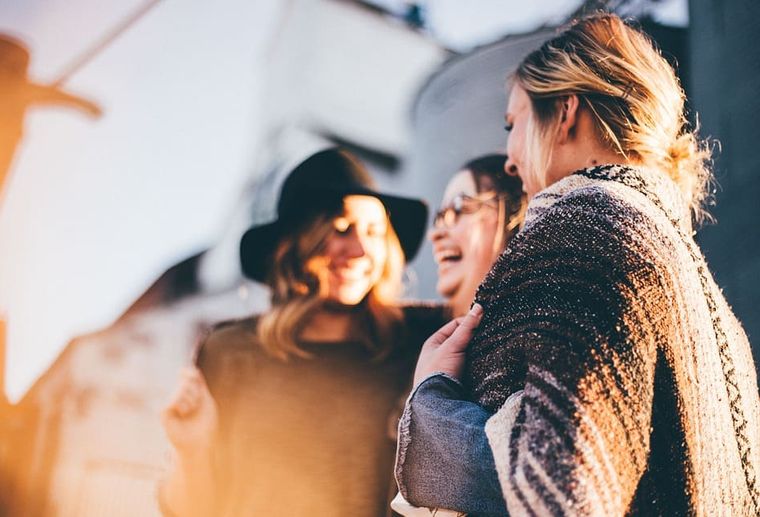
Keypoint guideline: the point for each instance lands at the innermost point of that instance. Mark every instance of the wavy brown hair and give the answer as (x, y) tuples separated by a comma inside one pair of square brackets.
[(632, 92), (297, 293)]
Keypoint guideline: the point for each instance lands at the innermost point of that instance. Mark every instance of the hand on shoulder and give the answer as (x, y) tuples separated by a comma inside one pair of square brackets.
[(191, 418), (445, 350)]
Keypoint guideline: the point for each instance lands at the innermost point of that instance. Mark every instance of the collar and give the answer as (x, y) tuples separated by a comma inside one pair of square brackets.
[(625, 180)]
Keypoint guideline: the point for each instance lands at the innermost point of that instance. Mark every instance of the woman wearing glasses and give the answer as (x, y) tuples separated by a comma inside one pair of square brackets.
[(481, 210)]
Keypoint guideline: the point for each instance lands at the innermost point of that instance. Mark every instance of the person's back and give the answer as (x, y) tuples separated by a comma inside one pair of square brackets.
[(620, 380), (652, 350)]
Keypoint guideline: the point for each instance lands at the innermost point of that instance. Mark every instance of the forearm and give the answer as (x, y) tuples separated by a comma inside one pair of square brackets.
[(444, 460), (189, 490)]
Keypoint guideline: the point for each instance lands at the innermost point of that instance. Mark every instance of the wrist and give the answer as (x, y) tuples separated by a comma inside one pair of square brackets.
[(436, 379), (422, 376)]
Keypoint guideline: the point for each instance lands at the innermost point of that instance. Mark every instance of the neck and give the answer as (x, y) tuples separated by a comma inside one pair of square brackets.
[(586, 158), (330, 323), (583, 148)]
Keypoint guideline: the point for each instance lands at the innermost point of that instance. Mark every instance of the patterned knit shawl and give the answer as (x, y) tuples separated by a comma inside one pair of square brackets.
[(639, 392)]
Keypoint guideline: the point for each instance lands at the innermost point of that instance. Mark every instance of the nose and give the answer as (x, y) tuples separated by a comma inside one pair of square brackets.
[(354, 247), (436, 233), (510, 167)]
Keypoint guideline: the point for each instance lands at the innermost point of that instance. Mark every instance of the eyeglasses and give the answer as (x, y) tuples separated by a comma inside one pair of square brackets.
[(448, 216)]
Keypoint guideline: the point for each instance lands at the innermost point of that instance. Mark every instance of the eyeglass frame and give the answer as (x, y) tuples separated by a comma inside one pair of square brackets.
[(440, 216)]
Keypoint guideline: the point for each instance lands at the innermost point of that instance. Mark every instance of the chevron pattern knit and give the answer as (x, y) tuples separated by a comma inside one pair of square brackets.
[(639, 393)]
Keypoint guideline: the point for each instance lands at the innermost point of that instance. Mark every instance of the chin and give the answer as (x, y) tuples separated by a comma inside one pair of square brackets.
[(350, 296), (446, 289)]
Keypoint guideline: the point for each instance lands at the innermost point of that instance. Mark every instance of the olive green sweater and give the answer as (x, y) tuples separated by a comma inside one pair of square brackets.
[(308, 436)]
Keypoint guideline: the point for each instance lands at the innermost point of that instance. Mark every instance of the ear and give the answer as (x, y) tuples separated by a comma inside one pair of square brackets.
[(568, 119)]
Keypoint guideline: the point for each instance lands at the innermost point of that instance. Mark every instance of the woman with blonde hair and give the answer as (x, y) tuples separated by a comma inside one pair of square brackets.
[(605, 373), (288, 412)]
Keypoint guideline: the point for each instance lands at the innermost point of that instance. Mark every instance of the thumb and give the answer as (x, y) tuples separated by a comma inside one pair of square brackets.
[(461, 336), (443, 333)]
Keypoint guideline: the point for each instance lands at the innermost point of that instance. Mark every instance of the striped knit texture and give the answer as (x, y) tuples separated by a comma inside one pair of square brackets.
[(640, 395)]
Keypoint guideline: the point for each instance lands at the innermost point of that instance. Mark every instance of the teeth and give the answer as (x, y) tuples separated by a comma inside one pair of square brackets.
[(447, 255)]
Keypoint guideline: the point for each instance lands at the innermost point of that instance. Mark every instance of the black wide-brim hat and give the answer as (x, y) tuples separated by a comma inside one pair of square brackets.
[(317, 186)]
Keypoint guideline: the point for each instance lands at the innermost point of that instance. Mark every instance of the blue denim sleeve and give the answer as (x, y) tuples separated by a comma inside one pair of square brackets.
[(443, 458)]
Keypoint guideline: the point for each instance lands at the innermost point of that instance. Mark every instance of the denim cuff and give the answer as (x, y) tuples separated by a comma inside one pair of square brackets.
[(440, 381), (443, 458), (436, 382)]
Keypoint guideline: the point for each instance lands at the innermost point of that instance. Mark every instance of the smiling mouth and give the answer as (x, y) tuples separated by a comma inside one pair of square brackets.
[(447, 257), (350, 275)]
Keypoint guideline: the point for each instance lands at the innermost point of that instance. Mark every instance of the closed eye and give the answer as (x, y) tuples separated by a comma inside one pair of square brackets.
[(376, 230)]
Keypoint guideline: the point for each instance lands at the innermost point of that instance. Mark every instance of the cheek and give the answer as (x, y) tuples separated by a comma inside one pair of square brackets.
[(378, 252), (459, 234), (479, 243), (515, 147), (468, 235), (331, 248), (319, 266)]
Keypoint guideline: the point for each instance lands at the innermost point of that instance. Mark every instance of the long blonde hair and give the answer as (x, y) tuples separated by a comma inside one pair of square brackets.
[(297, 293), (633, 94)]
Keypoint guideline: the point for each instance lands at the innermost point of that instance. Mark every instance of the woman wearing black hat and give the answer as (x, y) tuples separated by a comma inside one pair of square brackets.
[(288, 412)]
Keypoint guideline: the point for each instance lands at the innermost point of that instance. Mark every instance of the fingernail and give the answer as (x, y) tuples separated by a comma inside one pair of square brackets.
[(476, 310)]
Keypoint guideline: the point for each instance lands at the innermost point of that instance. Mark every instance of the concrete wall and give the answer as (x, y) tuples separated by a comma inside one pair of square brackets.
[(725, 84)]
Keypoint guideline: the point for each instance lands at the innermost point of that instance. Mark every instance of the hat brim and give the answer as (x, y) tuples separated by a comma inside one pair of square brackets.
[(257, 249), (407, 216)]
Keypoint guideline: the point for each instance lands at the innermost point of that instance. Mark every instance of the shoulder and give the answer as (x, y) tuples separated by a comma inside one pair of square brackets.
[(422, 311), (225, 344), (584, 202), (232, 331), (614, 203), (424, 317), (593, 221), (591, 253)]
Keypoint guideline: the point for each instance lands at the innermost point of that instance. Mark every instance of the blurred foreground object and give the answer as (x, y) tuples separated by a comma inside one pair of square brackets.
[(18, 93)]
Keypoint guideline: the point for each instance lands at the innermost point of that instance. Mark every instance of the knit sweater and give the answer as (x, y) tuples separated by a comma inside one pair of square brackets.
[(621, 380)]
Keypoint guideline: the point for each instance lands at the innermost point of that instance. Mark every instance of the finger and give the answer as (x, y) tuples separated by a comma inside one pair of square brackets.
[(183, 408), (186, 389), (443, 333), (192, 380), (191, 373), (198, 378), (188, 405), (472, 319), (193, 402), (181, 401), (174, 411), (462, 334)]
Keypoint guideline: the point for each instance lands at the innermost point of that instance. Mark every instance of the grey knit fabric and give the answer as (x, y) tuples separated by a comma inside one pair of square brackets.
[(639, 390)]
